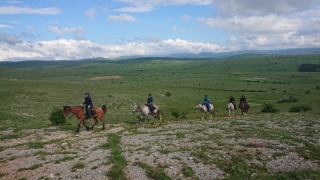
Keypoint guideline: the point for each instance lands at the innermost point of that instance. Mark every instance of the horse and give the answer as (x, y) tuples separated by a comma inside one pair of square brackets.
[(145, 111), (204, 110), (231, 109), (244, 108), (96, 112)]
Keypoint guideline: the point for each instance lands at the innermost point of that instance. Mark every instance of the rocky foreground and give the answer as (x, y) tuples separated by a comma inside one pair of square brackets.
[(245, 146)]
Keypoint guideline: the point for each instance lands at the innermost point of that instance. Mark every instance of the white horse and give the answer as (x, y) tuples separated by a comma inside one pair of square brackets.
[(204, 110), (145, 111), (231, 109)]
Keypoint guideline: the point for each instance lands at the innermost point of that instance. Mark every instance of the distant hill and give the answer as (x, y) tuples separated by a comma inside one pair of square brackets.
[(295, 51)]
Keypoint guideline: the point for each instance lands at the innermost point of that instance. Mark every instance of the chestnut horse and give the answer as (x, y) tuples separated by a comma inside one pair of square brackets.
[(244, 108), (78, 111)]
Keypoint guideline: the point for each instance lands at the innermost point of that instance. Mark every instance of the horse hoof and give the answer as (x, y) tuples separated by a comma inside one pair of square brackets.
[(154, 123)]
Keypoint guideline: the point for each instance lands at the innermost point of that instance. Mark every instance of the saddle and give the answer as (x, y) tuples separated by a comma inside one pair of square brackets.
[(93, 112)]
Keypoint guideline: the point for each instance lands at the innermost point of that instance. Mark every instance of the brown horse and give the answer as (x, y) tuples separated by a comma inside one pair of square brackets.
[(244, 108), (78, 111)]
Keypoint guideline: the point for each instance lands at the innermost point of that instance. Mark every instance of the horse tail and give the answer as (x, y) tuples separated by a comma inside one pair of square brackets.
[(104, 108), (159, 114)]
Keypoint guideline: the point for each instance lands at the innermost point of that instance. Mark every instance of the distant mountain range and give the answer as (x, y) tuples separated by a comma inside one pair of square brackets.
[(242, 53)]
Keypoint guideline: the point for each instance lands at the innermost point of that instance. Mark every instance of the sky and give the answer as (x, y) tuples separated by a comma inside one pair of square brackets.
[(80, 29)]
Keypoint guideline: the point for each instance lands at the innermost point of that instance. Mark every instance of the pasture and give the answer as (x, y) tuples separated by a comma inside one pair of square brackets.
[(256, 146)]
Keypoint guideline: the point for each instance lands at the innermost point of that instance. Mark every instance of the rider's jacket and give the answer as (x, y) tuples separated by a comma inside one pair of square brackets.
[(243, 99), (149, 100), (88, 101)]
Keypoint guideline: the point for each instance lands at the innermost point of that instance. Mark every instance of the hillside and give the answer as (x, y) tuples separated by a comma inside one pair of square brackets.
[(280, 145)]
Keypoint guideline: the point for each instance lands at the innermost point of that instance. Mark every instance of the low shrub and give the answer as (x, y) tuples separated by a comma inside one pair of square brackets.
[(269, 108), (168, 94), (56, 117), (307, 92), (175, 113), (300, 108)]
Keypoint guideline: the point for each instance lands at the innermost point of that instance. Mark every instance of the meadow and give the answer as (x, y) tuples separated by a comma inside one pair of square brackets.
[(31, 90)]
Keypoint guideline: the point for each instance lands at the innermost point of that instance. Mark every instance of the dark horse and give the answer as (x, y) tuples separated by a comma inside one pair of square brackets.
[(78, 111), (244, 108)]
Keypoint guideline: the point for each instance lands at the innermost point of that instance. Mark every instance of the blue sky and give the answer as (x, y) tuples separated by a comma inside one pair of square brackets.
[(78, 29)]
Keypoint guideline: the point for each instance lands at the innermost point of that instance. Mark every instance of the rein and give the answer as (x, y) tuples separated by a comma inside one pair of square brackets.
[(70, 111)]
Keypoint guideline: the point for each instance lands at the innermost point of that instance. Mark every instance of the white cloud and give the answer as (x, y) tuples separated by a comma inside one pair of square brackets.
[(177, 29), (64, 30), (121, 18), (10, 38), (149, 5), (91, 12), (32, 28), (139, 8), (27, 10), (185, 17), (5, 26), (254, 7), (72, 49), (269, 24)]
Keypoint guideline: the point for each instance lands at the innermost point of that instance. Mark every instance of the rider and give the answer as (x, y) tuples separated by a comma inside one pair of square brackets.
[(88, 104), (231, 100), (244, 100), (206, 102), (149, 102)]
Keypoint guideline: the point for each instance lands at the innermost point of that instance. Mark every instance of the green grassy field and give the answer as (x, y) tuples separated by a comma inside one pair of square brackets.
[(30, 90)]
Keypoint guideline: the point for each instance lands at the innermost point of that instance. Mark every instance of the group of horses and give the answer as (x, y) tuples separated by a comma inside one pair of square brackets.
[(244, 109), (144, 110)]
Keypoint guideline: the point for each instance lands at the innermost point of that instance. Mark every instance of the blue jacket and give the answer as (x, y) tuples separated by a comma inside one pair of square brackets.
[(149, 100), (88, 101), (206, 100)]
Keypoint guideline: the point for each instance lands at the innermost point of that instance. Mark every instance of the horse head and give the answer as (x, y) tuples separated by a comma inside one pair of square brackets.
[(198, 106), (66, 110), (135, 107)]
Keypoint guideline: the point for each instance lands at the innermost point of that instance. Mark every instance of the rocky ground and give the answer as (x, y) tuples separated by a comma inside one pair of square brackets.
[(250, 146)]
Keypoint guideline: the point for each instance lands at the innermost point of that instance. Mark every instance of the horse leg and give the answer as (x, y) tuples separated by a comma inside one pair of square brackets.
[(87, 127), (148, 120), (229, 112), (140, 120), (95, 122), (102, 120), (78, 129)]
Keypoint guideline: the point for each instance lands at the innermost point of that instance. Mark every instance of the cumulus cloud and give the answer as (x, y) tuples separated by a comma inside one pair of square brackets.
[(254, 7), (185, 17), (64, 30), (5, 26), (149, 5), (177, 29), (91, 12), (10, 38), (63, 49), (269, 24), (122, 18), (27, 10)]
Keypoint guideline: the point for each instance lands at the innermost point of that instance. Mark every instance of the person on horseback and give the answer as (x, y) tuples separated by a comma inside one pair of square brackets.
[(88, 105), (206, 102), (244, 100), (149, 103), (232, 100)]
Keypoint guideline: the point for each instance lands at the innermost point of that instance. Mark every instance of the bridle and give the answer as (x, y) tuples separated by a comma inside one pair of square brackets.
[(69, 110)]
